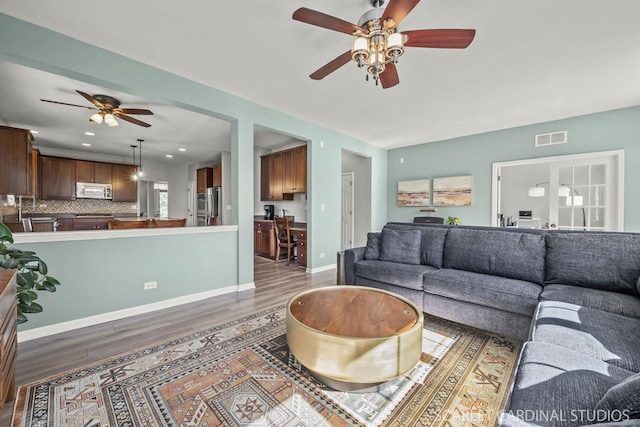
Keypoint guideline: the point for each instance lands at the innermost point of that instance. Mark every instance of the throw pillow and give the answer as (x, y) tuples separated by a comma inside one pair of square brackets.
[(400, 246), (372, 251), (622, 400)]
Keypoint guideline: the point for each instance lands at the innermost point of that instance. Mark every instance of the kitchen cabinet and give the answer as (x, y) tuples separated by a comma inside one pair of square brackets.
[(97, 172), (91, 223), (217, 175), (124, 186), (301, 248), (204, 179), (272, 178), (8, 332), (57, 178), (264, 239), (65, 224), (295, 170), (283, 174), (16, 166)]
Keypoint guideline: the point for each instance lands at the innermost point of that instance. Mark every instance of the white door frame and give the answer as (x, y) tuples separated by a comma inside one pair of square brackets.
[(495, 173)]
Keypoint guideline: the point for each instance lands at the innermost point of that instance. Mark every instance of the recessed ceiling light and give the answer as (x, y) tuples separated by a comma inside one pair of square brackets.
[(182, 149), (35, 132), (86, 144), (90, 133), (169, 156)]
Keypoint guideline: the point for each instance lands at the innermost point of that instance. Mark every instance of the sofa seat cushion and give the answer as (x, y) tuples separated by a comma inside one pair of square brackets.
[(554, 380), (404, 275), (499, 253), (515, 296), (623, 397), (626, 305), (607, 261), (605, 336)]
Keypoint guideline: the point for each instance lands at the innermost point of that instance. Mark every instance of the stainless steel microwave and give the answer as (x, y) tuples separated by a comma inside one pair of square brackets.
[(90, 190)]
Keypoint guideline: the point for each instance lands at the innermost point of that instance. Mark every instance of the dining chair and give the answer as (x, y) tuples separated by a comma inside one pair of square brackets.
[(27, 225), (283, 238)]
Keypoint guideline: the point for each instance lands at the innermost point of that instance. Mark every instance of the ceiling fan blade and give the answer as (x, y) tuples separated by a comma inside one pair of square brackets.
[(91, 99), (329, 68), (443, 38), (71, 105), (398, 10), (323, 20), (134, 111), (131, 119), (389, 77)]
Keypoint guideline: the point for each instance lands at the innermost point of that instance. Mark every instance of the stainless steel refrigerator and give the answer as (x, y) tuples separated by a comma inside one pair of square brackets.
[(209, 207)]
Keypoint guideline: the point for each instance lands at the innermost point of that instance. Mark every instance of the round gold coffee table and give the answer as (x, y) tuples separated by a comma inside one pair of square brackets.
[(354, 337)]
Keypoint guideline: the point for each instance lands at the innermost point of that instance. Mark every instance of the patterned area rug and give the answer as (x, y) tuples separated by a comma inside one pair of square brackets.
[(241, 374)]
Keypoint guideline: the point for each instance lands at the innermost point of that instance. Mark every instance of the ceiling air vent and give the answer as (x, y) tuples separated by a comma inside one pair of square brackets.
[(551, 138)]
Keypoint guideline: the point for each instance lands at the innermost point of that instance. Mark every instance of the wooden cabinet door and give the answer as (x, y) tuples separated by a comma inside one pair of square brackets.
[(91, 224), (57, 178), (276, 176), (125, 188), (84, 171), (217, 175), (204, 179), (15, 161), (265, 195), (102, 173), (295, 170)]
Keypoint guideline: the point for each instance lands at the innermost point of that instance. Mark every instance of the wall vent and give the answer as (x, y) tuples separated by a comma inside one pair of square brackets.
[(552, 138)]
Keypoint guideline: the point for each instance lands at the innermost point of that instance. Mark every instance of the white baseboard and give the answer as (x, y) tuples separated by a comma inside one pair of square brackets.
[(70, 325), (323, 268)]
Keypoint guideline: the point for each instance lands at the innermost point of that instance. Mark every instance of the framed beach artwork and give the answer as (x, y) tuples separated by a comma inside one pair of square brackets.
[(452, 191), (416, 192)]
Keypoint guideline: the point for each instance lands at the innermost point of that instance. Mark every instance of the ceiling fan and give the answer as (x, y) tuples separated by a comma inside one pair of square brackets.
[(108, 109), (377, 43)]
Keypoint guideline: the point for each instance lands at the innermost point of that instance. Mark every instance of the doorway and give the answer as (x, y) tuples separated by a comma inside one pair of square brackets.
[(573, 192), (354, 232)]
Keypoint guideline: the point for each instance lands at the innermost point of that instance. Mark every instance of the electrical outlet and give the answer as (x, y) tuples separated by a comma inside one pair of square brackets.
[(11, 199), (322, 255), (150, 285), (43, 205)]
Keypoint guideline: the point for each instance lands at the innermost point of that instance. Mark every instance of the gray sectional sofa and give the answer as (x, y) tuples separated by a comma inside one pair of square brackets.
[(574, 297)]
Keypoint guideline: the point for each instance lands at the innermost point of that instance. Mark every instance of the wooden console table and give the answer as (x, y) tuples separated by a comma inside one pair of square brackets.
[(8, 332)]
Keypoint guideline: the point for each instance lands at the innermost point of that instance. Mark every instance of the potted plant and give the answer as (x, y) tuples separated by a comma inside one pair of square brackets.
[(453, 220), (32, 274)]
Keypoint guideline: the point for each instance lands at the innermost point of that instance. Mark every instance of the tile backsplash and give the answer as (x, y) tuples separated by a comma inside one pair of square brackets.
[(81, 206)]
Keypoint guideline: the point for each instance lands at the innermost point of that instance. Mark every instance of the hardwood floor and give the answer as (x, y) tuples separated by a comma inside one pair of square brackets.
[(47, 356)]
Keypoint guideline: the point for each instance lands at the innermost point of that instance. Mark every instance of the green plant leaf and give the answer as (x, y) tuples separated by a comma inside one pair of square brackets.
[(51, 280), (45, 286), (42, 267), (34, 307), (27, 297), (5, 234), (9, 264), (21, 317)]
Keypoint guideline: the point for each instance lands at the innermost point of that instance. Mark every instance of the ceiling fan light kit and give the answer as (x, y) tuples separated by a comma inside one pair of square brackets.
[(377, 43)]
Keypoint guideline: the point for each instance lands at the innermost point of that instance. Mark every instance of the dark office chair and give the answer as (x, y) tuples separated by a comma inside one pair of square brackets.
[(428, 220), (283, 238)]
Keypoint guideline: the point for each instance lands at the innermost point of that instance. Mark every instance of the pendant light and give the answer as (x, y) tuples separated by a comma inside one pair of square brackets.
[(140, 147)]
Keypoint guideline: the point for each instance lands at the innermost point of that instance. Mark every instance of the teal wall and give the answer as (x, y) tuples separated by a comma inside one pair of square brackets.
[(104, 275), (30, 45), (474, 155)]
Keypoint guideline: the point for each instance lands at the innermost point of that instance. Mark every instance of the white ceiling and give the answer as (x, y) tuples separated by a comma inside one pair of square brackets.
[(530, 62)]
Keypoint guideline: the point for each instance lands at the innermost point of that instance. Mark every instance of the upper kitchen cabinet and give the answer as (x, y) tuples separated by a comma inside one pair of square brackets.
[(282, 174), (217, 175), (125, 188), (16, 165), (95, 172), (204, 179), (295, 170), (57, 178)]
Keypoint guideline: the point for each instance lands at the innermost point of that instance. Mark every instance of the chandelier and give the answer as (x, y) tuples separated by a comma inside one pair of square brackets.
[(380, 45)]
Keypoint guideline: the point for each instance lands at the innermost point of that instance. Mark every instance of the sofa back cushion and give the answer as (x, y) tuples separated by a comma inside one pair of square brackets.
[(432, 241), (500, 253), (372, 251), (401, 246), (607, 261)]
